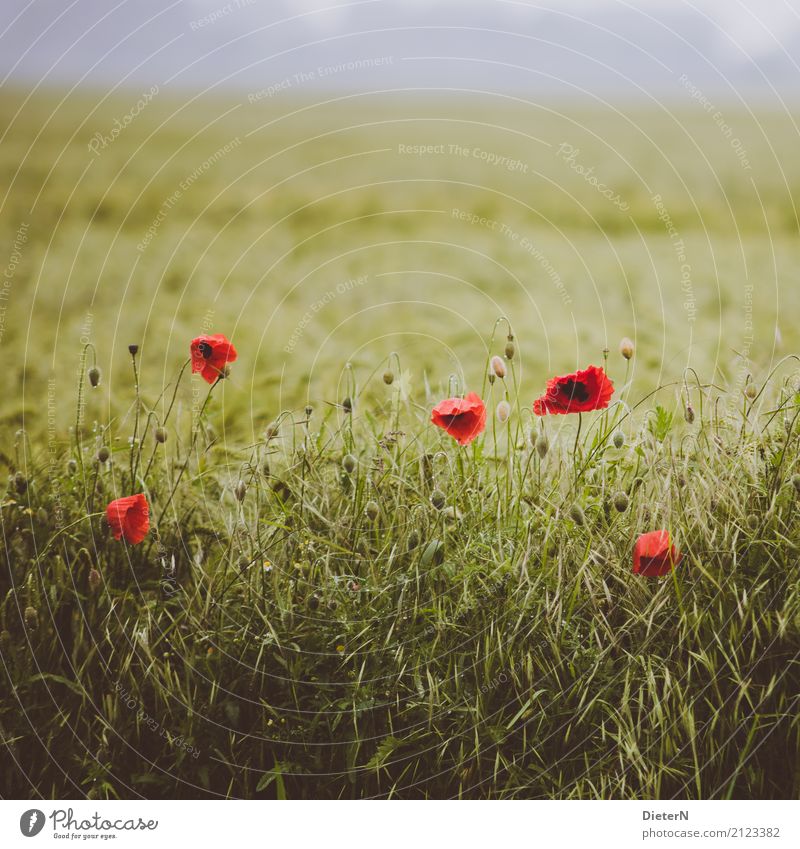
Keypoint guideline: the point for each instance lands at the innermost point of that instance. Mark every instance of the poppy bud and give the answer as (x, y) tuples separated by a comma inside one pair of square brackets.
[(309, 410), (503, 411), (619, 439), (451, 513), (72, 466), (347, 405), (313, 602), (492, 377), (621, 502), (498, 366), (41, 515), (103, 454), (133, 349), (5, 640), (752, 522), (626, 348), (94, 580), (94, 376), (20, 483), (240, 490), (388, 378), (542, 445), (413, 540), (510, 350), (160, 433), (271, 431), (688, 413), (796, 483), (243, 562), (31, 617), (438, 499), (265, 469), (576, 514), (371, 510), (349, 463), (750, 391)]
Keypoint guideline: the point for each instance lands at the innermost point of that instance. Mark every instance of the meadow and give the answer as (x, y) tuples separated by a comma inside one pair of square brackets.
[(334, 598)]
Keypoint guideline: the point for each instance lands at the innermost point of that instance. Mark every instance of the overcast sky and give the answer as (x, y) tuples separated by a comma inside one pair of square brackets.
[(640, 48)]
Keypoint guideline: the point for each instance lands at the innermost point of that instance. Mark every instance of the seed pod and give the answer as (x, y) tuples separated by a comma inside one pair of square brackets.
[(388, 377), (20, 483), (31, 617), (160, 433), (133, 350), (308, 411), (371, 510), (94, 580), (542, 445), (498, 367), (620, 501), (626, 348), (503, 411), (103, 454), (619, 439), (94, 376), (349, 463), (688, 413), (510, 350), (576, 514), (240, 490), (438, 499)]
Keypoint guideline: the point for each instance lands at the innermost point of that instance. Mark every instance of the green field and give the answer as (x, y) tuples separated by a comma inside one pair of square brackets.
[(334, 599)]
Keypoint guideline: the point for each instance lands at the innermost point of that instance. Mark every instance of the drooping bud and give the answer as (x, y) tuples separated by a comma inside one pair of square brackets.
[(349, 463), (510, 350), (103, 454), (688, 413), (576, 514), (160, 433), (542, 445), (751, 391), (308, 411), (752, 522), (94, 376), (438, 499), (20, 483), (371, 510), (347, 405), (796, 483), (503, 411), (240, 490), (626, 348), (133, 350), (388, 377), (619, 439), (498, 367), (94, 580), (413, 540), (72, 466), (31, 617), (621, 501)]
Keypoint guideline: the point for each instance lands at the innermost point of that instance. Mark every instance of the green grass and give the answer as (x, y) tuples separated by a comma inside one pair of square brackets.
[(499, 646), (495, 646)]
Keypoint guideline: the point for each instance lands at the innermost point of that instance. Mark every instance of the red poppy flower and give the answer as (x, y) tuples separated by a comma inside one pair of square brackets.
[(210, 355), (129, 517), (462, 418), (580, 392), (654, 556)]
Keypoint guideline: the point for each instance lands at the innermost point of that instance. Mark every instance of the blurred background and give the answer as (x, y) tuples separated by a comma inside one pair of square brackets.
[(328, 182)]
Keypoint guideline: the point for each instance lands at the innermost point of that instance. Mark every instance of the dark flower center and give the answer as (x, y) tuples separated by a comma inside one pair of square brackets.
[(205, 349), (575, 391)]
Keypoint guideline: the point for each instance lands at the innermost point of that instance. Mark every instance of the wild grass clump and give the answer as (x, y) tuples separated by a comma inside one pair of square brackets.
[(354, 605)]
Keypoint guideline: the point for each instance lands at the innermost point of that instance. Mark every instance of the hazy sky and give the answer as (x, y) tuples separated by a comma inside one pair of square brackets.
[(571, 47)]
